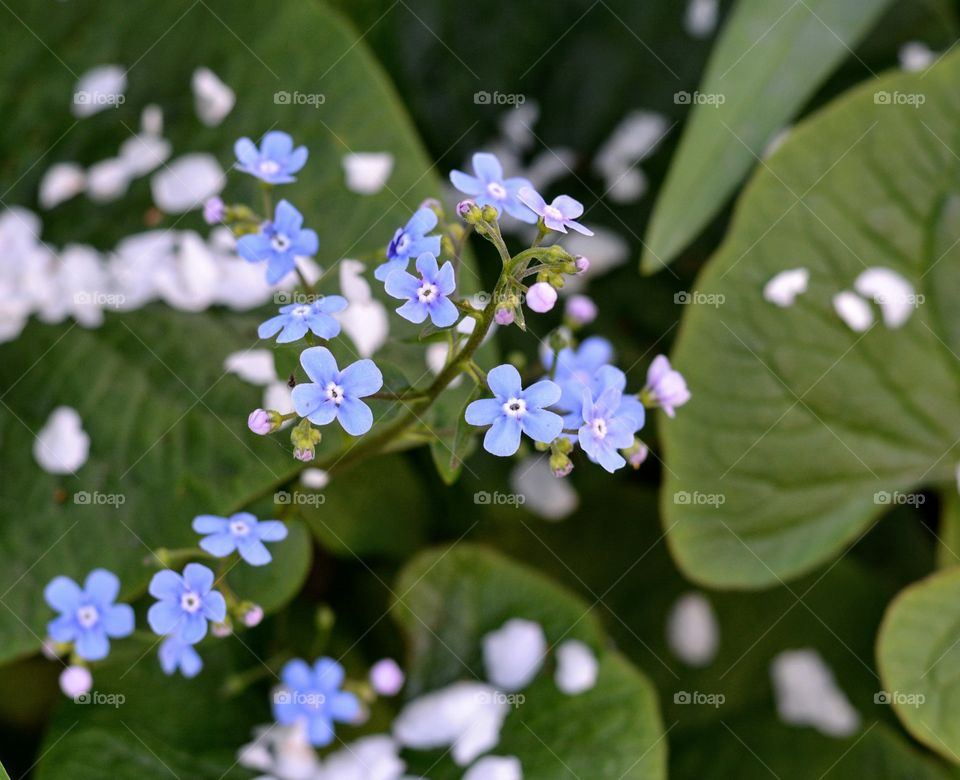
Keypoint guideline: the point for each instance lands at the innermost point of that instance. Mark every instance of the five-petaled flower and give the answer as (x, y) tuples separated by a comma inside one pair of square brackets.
[(88, 616), (514, 410), (558, 215), (185, 603), (427, 296), (176, 654), (295, 319), (312, 698), (335, 394), (606, 428), (279, 243), (489, 188), (275, 161), (410, 241), (241, 532), (665, 386)]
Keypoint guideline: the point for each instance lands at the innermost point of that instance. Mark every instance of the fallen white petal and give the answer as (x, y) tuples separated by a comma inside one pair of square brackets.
[(144, 153), (374, 757), (187, 182), (98, 89), (692, 630), (60, 183), (367, 172), (807, 694), (544, 494), (495, 768), (916, 56), (890, 291), (108, 180), (514, 653), (626, 186), (212, 99), (783, 289), (151, 120), (281, 751), (253, 365), (315, 479), (577, 667), (701, 17), (190, 278), (635, 138), (853, 310), (62, 446)]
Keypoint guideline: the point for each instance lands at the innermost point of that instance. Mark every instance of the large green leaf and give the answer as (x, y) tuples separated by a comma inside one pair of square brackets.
[(802, 432), (449, 599), (167, 427), (918, 653), (770, 58)]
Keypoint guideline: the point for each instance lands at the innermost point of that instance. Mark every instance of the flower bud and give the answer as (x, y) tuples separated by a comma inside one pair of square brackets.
[(221, 630), (541, 297), (636, 454), (264, 421), (304, 454), (469, 212), (214, 211), (560, 464), (488, 213), (76, 681), (582, 264), (253, 616), (581, 310), (386, 677), (504, 315)]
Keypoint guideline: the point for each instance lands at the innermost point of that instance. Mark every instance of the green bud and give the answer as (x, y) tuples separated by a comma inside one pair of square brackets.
[(488, 214), (560, 464)]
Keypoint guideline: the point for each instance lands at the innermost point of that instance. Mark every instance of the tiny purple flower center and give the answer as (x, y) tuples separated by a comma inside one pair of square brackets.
[(496, 190), (239, 528), (515, 407), (190, 602), (301, 311), (335, 393), (269, 167), (280, 242), (599, 427), (552, 212), (87, 616), (426, 292)]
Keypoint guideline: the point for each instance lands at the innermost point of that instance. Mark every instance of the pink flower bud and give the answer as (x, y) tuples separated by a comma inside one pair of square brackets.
[(253, 616), (305, 454), (638, 455), (259, 422), (503, 316), (582, 264), (76, 681), (386, 677), (221, 630), (581, 309), (541, 297), (214, 210), (464, 207)]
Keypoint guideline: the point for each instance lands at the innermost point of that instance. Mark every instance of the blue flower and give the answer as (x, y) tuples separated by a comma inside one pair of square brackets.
[(295, 319), (311, 697), (176, 654), (576, 369), (428, 295), (88, 616), (279, 242), (514, 410), (606, 429), (276, 159), (559, 215), (410, 241), (241, 532), (489, 188), (185, 603), (335, 394)]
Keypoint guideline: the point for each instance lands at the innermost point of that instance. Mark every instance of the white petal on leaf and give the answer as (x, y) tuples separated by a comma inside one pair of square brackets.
[(807, 694), (514, 653), (577, 667), (495, 768), (60, 183), (367, 172), (692, 630), (253, 365), (212, 99), (108, 180), (783, 289), (853, 310), (187, 182), (98, 89), (890, 291), (62, 446), (701, 17)]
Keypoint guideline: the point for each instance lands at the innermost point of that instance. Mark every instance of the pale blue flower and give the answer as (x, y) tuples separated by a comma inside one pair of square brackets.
[(558, 215), (295, 319), (241, 532), (88, 615), (312, 698), (335, 394), (185, 603), (410, 241), (275, 161), (279, 243), (665, 386), (176, 654), (515, 410), (605, 429), (488, 187), (427, 296)]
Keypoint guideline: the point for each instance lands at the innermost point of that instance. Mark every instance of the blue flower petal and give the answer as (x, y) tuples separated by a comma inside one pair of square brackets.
[(323, 325), (331, 304), (297, 675), (219, 545), (101, 586), (253, 551), (383, 271), (214, 606), (319, 364), (273, 326), (210, 524), (63, 628), (541, 425), (294, 330), (193, 628), (92, 644), (355, 416), (487, 167), (503, 438), (254, 248), (310, 401), (423, 221), (246, 151), (272, 530), (504, 381), (320, 732), (343, 706), (276, 145), (297, 159), (361, 378), (400, 284), (468, 185), (427, 266), (328, 674), (118, 620), (484, 411), (164, 617), (443, 313), (278, 266), (541, 394), (446, 279), (305, 243), (166, 584), (63, 594), (198, 578), (414, 311)]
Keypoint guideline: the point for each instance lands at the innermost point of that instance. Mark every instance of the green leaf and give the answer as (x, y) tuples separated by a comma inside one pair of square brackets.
[(948, 535), (918, 659), (451, 598), (770, 58), (141, 724), (801, 432), (167, 427), (274, 585)]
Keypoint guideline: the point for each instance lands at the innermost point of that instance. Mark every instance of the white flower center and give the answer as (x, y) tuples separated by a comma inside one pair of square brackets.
[(599, 428), (515, 407), (190, 602), (552, 212), (269, 167), (239, 528), (496, 190), (301, 311), (426, 292), (87, 616), (335, 393), (280, 242)]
